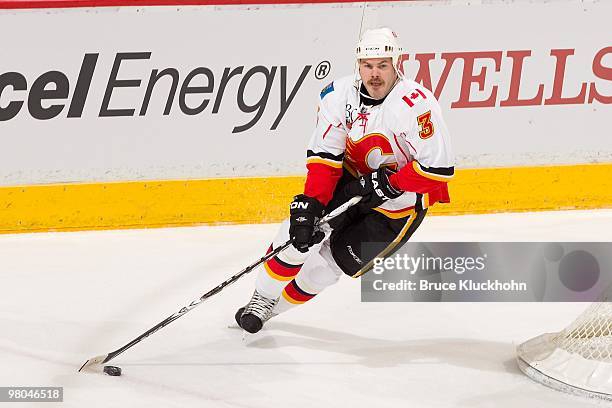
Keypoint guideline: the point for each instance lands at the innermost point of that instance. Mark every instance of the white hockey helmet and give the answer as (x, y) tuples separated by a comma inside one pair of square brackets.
[(379, 43)]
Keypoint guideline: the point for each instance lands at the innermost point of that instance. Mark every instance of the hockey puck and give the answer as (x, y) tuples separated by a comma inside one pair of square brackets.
[(112, 370)]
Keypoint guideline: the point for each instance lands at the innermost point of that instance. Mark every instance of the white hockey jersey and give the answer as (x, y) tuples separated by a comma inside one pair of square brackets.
[(406, 133)]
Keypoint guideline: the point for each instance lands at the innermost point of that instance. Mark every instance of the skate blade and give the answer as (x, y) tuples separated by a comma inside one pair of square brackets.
[(247, 337)]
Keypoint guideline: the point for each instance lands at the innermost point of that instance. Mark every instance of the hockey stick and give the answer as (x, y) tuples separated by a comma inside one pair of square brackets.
[(108, 357)]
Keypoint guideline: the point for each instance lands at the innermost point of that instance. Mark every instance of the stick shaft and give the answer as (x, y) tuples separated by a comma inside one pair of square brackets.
[(223, 285)]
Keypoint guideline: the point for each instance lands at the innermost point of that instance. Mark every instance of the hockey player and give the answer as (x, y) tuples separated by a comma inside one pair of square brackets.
[(381, 136)]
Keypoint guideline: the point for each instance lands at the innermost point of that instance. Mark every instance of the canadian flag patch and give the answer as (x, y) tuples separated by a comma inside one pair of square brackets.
[(414, 97)]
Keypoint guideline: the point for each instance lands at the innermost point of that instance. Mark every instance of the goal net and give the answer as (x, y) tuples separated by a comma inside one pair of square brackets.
[(578, 359)]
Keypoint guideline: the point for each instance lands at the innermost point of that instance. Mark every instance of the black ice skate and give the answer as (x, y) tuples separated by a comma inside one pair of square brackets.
[(252, 317)]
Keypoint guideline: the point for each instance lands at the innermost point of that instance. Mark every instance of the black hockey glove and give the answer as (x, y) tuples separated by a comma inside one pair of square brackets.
[(304, 212), (374, 188)]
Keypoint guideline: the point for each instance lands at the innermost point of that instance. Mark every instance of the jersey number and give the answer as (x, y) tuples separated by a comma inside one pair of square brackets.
[(426, 127)]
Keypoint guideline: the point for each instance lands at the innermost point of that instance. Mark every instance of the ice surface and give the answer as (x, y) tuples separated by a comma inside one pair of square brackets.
[(65, 297)]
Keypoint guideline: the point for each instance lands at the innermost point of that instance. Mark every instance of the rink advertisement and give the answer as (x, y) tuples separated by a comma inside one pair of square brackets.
[(174, 98), (202, 98), (489, 272)]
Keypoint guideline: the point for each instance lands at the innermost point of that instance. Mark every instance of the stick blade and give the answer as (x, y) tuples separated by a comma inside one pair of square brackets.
[(93, 361)]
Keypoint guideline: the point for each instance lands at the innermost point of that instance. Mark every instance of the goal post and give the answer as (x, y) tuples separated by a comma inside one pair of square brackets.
[(578, 359)]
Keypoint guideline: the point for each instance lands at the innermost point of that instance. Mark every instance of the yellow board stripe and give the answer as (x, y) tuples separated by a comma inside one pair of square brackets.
[(520, 189), (69, 207)]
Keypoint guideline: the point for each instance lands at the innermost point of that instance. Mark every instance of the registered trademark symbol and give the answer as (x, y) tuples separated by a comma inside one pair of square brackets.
[(322, 70)]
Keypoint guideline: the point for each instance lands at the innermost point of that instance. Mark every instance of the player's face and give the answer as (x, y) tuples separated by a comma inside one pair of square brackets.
[(378, 76)]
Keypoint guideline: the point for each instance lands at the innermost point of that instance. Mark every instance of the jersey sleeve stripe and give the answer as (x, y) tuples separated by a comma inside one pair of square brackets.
[(325, 155), (318, 160), (434, 173)]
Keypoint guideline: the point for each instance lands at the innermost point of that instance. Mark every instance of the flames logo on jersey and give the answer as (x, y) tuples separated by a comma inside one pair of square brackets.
[(369, 153)]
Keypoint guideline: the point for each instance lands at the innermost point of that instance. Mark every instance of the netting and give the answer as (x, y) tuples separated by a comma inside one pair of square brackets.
[(579, 358), (590, 335)]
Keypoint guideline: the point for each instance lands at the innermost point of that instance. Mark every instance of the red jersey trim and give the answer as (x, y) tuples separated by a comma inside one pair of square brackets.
[(321, 181)]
